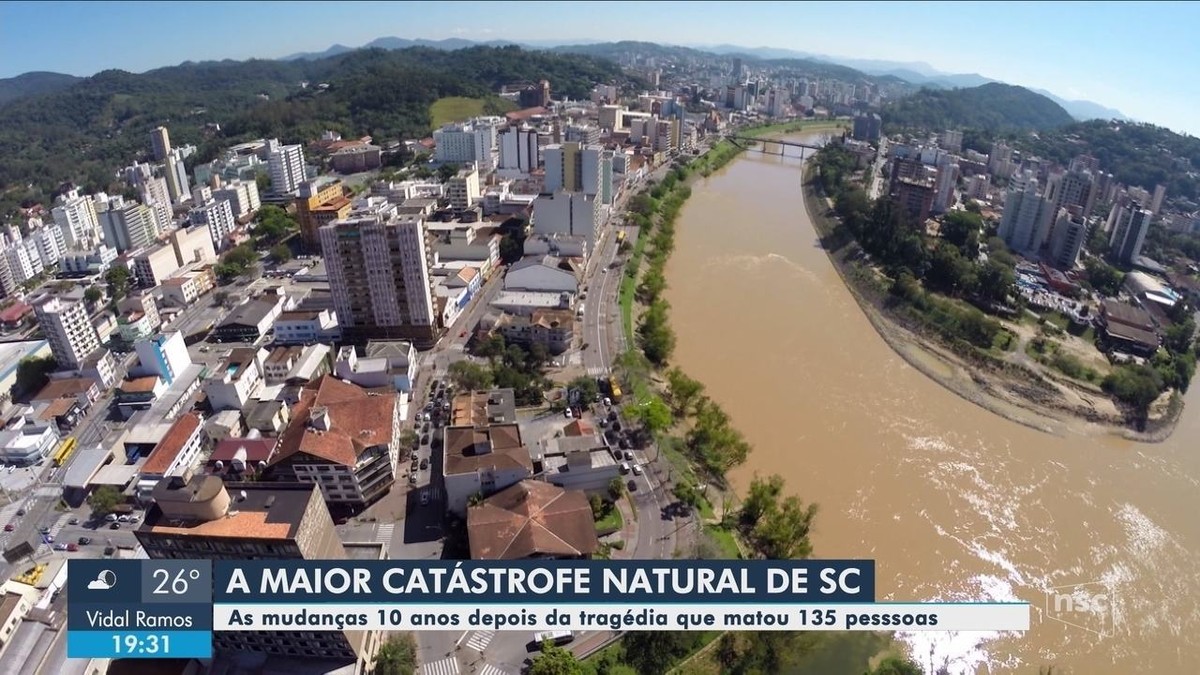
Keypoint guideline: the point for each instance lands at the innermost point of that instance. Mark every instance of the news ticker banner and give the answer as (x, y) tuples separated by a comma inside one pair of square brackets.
[(170, 608)]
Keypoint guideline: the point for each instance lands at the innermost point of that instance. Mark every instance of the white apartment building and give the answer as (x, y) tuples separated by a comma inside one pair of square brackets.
[(286, 165), (378, 266), (178, 185), (154, 265), (236, 381), (519, 150), (68, 330), (50, 243), (157, 197), (218, 217), (473, 141), (307, 327), (77, 217), (567, 213), (127, 225), (463, 189), (242, 196)]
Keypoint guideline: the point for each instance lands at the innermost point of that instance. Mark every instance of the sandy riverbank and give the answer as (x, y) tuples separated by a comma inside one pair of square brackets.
[(1032, 399)]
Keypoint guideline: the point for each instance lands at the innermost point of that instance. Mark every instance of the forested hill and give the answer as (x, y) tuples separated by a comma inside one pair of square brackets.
[(32, 84), (1137, 154), (89, 130), (990, 107)]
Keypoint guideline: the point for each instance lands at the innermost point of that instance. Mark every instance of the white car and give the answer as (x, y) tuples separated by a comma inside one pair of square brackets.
[(568, 414), (637, 469)]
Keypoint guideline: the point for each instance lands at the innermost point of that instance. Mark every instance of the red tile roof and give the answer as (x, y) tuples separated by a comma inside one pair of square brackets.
[(257, 449), (168, 449), (532, 519), (15, 312), (71, 386), (357, 420)]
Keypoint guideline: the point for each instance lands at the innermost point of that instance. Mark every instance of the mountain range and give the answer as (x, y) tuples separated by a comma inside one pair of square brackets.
[(914, 72)]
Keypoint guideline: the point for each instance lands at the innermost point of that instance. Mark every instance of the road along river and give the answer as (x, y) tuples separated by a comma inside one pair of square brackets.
[(954, 502)]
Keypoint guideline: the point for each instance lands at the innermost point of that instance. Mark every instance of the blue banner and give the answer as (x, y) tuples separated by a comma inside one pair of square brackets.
[(561, 582)]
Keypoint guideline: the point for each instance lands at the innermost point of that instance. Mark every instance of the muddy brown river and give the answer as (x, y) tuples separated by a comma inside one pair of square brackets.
[(952, 501)]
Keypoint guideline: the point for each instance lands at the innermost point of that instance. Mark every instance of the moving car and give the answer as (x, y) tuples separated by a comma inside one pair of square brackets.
[(84, 541), (9, 527)]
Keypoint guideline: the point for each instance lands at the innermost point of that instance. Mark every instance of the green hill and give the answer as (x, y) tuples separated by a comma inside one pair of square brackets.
[(86, 132), (990, 107), (32, 84), (1136, 154)]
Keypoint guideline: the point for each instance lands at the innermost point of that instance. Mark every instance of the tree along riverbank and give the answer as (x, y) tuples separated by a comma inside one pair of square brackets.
[(965, 350), (696, 438)]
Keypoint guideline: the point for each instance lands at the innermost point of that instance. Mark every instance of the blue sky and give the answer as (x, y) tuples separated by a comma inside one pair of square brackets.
[(1137, 57)]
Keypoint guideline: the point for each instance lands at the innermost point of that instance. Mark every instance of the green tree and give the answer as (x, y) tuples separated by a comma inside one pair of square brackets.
[(761, 499), (555, 661), (586, 386), (447, 171), (1106, 279), (894, 665), (263, 181), (1135, 386), (687, 493), (652, 414), (104, 499), (658, 340), (598, 507), (117, 277), (783, 533), (468, 376), (655, 652), (281, 253), (616, 488), (684, 391), (32, 374), (92, 295), (409, 439), (397, 656), (996, 282), (962, 229), (949, 271)]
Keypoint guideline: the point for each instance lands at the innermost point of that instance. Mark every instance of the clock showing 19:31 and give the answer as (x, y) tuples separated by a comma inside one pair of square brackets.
[(140, 644)]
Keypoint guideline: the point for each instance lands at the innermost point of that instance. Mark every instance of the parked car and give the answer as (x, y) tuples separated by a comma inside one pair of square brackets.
[(114, 526), (425, 439), (608, 401), (637, 469), (44, 530), (9, 527), (60, 547), (73, 521), (112, 517), (424, 464), (122, 518), (568, 414), (424, 498), (628, 454), (72, 547), (20, 512), (84, 541), (412, 478)]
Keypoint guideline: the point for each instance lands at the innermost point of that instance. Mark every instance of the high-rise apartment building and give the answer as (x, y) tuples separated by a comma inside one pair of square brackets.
[(242, 196), (463, 189), (1160, 193), (519, 150), (1023, 213), (1070, 232), (1129, 234), (1073, 188), (127, 224), (473, 141), (203, 517), (573, 168), (160, 143), (867, 127), (175, 173), (378, 265), (286, 166), (77, 217), (947, 180), (157, 197), (218, 217), (67, 328)]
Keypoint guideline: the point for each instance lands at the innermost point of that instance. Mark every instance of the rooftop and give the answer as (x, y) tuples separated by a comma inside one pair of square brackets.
[(249, 313), (168, 449), (273, 511), (67, 387), (246, 449), (139, 385), (470, 449), (337, 421), (11, 354), (532, 519), (481, 408)]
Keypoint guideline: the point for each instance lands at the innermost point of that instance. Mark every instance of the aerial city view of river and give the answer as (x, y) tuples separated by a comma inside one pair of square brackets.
[(952, 501)]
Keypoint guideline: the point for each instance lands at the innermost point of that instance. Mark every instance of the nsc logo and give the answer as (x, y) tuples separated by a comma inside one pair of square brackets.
[(1090, 606)]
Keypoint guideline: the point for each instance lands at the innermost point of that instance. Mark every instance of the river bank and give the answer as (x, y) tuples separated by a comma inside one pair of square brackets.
[(1036, 400)]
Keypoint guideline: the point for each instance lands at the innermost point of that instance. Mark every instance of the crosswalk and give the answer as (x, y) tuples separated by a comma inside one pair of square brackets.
[(447, 666), (479, 641), (383, 533), (489, 669)]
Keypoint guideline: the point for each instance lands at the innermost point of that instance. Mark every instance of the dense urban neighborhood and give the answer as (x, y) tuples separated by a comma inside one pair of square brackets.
[(442, 333)]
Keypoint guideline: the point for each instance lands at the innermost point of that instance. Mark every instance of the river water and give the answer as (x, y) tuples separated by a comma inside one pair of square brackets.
[(952, 501)]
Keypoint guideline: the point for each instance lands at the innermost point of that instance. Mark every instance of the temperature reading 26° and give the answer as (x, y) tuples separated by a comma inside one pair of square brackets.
[(174, 585)]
